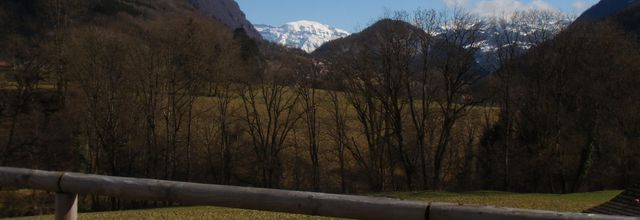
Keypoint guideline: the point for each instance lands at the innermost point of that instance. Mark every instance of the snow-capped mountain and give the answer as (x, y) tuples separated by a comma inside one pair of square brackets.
[(525, 36), (306, 35)]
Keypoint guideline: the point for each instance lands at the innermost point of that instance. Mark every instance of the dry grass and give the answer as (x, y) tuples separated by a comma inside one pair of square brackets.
[(575, 202), (185, 213)]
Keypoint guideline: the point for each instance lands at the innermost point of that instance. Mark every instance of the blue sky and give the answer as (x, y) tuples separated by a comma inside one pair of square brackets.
[(353, 15)]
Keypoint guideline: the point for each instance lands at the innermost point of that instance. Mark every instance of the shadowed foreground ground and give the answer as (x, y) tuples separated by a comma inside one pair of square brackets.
[(568, 202)]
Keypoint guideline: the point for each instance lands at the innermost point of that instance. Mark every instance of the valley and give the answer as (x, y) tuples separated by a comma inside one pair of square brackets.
[(531, 109)]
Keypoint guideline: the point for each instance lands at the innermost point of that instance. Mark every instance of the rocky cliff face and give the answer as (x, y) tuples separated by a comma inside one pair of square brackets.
[(228, 12)]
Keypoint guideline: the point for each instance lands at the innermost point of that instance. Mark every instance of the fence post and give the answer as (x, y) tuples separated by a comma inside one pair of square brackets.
[(66, 206)]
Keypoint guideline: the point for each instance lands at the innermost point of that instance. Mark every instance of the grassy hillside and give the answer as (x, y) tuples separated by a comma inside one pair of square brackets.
[(568, 202)]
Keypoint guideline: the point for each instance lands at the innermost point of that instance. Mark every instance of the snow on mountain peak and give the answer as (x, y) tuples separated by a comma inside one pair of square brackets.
[(303, 34), (307, 23)]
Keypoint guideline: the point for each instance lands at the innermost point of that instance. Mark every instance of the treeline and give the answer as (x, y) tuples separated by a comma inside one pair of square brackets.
[(567, 118), (180, 97)]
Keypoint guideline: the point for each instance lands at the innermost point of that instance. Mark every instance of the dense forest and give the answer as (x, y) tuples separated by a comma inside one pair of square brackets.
[(157, 90)]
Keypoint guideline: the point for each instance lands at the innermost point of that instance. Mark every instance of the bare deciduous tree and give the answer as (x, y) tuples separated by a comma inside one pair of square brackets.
[(307, 92), (269, 108), (456, 71)]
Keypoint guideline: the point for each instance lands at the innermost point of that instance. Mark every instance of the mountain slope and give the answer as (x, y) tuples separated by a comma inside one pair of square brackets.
[(28, 15), (228, 12), (367, 37), (629, 19), (305, 35), (605, 9)]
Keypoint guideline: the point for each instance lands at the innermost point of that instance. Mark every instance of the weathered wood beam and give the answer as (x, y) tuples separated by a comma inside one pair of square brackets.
[(32, 179), (322, 204), (345, 206)]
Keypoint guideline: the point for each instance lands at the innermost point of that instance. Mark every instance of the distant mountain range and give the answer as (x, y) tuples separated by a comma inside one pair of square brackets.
[(529, 35), (305, 35), (310, 35), (485, 57)]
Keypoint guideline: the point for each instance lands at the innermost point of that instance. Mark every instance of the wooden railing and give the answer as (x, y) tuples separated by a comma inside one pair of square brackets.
[(68, 185)]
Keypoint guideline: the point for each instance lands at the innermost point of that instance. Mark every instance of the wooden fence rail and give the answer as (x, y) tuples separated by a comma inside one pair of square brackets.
[(68, 185)]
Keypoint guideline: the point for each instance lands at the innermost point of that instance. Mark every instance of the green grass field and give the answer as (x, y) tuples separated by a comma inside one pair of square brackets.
[(568, 202)]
